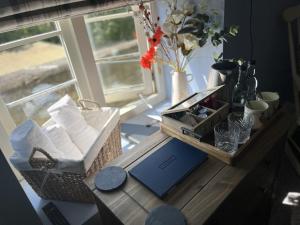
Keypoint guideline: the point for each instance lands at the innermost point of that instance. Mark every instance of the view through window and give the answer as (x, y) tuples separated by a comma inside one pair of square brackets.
[(116, 47), (34, 71)]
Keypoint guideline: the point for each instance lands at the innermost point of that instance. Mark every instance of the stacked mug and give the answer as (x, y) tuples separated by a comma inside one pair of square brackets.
[(262, 108)]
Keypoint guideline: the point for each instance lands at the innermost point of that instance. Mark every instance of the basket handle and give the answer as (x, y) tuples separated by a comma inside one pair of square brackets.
[(82, 102), (48, 156)]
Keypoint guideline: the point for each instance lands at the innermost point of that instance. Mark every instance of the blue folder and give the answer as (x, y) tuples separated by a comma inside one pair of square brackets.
[(164, 169)]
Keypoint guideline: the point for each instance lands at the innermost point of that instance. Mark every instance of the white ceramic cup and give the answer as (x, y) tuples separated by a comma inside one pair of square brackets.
[(258, 109), (272, 98)]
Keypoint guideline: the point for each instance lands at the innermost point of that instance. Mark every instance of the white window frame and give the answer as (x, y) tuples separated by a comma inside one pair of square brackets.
[(75, 35), (129, 92), (7, 123), (6, 119)]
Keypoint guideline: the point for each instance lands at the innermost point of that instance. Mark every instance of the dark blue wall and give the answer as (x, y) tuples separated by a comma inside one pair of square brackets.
[(270, 41)]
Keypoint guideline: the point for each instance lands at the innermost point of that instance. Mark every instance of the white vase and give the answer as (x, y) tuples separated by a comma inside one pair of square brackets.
[(180, 87)]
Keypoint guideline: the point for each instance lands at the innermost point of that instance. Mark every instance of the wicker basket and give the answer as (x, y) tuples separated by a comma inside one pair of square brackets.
[(49, 183)]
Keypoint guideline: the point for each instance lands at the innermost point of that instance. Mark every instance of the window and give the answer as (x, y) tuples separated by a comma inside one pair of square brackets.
[(94, 56), (117, 41), (34, 72)]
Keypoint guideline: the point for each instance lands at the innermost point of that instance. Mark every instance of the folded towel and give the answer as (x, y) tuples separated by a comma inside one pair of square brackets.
[(27, 136), (97, 118), (69, 117), (64, 101), (63, 143)]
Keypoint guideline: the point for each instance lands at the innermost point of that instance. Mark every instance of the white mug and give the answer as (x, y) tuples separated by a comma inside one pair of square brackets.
[(258, 109), (272, 98)]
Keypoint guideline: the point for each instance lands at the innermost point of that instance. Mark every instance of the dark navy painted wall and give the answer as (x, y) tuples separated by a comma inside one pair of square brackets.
[(270, 40)]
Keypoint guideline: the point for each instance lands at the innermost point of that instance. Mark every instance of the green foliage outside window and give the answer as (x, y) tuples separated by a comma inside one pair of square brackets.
[(112, 31), (27, 32)]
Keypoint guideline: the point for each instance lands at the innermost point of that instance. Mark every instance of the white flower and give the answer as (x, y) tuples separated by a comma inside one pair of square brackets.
[(177, 16), (188, 8), (169, 28), (190, 42)]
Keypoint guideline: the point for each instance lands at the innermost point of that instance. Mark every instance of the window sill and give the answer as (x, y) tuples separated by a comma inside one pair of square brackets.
[(140, 106)]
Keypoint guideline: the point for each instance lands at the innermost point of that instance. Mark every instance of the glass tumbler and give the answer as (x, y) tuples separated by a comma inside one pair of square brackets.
[(226, 138), (244, 123)]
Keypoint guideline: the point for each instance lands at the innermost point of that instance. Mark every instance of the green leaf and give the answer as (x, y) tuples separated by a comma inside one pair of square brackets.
[(217, 57), (202, 17), (216, 39), (187, 29), (202, 42), (233, 30), (193, 21)]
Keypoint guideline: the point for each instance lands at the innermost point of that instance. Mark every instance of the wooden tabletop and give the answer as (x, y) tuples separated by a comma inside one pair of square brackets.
[(200, 194)]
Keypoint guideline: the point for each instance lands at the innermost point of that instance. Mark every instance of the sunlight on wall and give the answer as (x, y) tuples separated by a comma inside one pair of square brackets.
[(203, 59)]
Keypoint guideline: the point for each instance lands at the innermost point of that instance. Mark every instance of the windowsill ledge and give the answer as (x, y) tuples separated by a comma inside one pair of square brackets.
[(139, 106)]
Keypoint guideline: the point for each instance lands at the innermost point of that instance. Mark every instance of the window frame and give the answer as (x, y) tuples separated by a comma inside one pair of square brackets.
[(6, 119), (74, 38), (7, 123), (134, 90), (75, 35)]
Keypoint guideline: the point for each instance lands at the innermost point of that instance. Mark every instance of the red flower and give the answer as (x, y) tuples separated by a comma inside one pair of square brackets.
[(147, 58), (155, 40), (145, 63), (150, 53)]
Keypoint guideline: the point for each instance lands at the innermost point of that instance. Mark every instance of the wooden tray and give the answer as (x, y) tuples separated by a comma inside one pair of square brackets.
[(206, 143)]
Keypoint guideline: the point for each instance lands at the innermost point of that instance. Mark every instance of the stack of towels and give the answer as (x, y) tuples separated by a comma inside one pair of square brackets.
[(68, 139)]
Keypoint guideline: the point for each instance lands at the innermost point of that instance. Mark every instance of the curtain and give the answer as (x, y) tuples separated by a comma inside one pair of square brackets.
[(15, 14)]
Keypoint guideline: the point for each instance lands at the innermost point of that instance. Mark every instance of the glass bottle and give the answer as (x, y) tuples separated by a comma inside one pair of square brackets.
[(251, 81), (239, 95)]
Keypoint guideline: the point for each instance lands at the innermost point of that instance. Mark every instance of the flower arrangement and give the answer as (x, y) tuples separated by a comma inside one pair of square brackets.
[(184, 29)]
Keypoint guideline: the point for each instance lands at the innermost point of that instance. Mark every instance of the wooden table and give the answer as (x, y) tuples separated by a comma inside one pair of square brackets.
[(199, 195)]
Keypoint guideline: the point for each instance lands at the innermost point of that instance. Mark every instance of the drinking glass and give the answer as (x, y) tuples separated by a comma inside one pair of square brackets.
[(226, 138), (245, 123)]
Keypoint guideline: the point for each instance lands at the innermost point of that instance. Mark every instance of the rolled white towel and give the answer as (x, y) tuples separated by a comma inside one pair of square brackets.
[(85, 139), (69, 117), (64, 101), (65, 113), (27, 136), (63, 143)]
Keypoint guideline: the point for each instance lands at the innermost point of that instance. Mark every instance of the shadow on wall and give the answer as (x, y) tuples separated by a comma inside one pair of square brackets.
[(203, 58), (270, 39)]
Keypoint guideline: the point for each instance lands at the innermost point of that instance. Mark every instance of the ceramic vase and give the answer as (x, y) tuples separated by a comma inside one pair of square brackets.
[(180, 87)]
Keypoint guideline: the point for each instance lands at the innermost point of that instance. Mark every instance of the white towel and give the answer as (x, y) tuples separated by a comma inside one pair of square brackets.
[(63, 143), (27, 136), (64, 101), (68, 116), (98, 118)]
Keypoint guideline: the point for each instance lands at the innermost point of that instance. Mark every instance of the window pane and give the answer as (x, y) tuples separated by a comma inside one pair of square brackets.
[(120, 75), (113, 37), (32, 68), (37, 108), (116, 52), (26, 32)]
